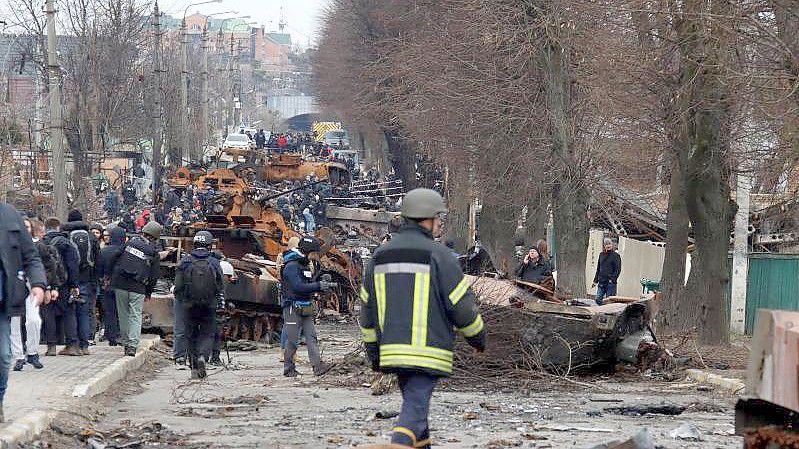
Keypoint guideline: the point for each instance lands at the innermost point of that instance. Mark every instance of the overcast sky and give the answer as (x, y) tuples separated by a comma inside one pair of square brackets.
[(301, 16)]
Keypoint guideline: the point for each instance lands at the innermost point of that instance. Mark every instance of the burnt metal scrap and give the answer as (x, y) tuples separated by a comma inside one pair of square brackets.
[(252, 234)]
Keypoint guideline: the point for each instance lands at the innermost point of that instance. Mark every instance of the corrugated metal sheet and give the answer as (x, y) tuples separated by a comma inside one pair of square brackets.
[(773, 284)]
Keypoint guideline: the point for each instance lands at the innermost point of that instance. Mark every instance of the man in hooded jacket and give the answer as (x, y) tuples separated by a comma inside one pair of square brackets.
[(79, 326), (105, 268)]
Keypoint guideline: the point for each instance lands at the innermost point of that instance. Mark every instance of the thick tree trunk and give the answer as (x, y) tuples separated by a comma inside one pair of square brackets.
[(703, 159), (458, 196), (497, 227), (402, 158), (570, 213), (570, 194), (672, 283)]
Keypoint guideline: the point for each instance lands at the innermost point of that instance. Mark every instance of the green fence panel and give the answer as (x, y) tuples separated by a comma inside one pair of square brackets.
[(773, 284)]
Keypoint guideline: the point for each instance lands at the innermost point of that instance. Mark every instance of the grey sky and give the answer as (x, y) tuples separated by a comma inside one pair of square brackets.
[(301, 16)]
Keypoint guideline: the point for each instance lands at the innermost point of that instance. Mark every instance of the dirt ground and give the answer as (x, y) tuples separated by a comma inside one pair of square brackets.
[(250, 405)]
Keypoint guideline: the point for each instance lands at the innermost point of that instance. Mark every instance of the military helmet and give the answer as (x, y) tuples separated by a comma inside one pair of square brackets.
[(203, 239), (152, 229), (420, 204), (309, 245)]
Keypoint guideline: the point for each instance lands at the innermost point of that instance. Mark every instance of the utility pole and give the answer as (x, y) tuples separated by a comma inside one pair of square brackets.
[(204, 92), (232, 106), (56, 119), (158, 116), (184, 90), (740, 253), (237, 87)]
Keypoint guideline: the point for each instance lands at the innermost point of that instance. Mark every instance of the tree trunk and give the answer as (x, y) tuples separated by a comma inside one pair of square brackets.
[(570, 213), (402, 158), (703, 160), (459, 196), (497, 227), (569, 195), (673, 278)]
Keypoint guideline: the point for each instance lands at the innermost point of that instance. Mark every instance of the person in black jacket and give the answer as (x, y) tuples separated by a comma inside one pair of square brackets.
[(105, 268), (297, 287), (607, 272), (21, 266), (79, 319), (533, 268), (198, 287), (413, 299), (54, 312), (136, 271)]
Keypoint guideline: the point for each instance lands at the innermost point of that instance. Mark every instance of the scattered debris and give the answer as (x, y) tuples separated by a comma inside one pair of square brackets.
[(499, 444), (687, 432), (641, 440), (566, 428), (469, 416), (383, 414), (641, 410)]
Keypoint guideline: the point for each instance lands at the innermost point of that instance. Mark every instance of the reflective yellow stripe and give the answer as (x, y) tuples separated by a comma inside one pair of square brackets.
[(380, 292), (423, 443), (417, 361), (407, 432), (474, 328), (369, 335), (400, 349), (420, 305), (364, 295), (459, 291)]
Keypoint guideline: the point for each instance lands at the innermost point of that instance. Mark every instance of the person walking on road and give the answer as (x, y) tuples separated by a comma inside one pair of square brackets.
[(79, 311), (198, 285), (105, 268), (135, 273), (607, 272), (55, 312), (298, 309), (414, 294), (33, 321), (21, 267)]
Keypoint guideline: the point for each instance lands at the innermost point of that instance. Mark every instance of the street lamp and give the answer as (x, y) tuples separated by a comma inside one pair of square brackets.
[(184, 76)]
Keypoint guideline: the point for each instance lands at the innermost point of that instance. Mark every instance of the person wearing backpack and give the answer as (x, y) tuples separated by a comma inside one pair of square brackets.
[(109, 254), (55, 312), (79, 319), (135, 273), (198, 285)]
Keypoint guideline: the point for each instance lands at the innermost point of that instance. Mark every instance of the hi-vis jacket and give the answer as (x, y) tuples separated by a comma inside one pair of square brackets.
[(414, 296)]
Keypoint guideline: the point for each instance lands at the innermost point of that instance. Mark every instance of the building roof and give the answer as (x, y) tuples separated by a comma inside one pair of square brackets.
[(279, 38)]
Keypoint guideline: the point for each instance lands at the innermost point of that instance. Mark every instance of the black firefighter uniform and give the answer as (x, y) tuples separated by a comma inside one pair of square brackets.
[(415, 297)]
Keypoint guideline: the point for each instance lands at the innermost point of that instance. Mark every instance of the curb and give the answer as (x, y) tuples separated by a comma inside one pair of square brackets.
[(735, 386), (26, 428), (34, 423), (114, 372)]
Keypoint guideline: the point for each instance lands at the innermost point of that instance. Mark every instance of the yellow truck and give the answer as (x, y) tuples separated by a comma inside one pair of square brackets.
[(322, 128)]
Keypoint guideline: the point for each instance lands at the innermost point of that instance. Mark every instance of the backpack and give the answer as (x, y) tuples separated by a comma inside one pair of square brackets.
[(82, 240), (200, 283), (54, 266)]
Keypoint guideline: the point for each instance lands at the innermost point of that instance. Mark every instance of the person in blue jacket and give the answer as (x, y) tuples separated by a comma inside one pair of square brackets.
[(297, 287)]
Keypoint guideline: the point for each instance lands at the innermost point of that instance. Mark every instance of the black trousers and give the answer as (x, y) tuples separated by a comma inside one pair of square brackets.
[(200, 329), (53, 323)]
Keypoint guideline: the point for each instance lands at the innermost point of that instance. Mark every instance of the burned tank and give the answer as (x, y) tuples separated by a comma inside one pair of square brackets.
[(252, 234)]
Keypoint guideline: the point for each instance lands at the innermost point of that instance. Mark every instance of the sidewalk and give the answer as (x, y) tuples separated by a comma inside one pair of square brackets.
[(34, 396)]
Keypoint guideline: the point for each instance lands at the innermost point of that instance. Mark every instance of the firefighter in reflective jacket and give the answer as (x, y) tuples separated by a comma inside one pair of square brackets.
[(414, 298)]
